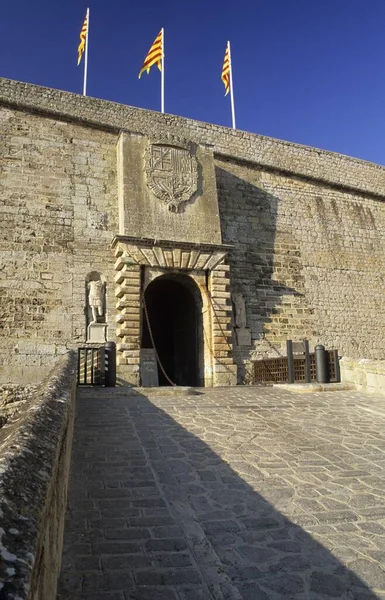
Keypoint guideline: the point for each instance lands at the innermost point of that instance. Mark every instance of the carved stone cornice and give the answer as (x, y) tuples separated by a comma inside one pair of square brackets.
[(167, 254)]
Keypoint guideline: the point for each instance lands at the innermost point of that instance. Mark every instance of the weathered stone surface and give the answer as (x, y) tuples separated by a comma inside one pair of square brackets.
[(34, 465), (14, 399), (366, 375), (243, 336), (238, 494), (144, 215), (310, 162), (306, 228), (96, 333)]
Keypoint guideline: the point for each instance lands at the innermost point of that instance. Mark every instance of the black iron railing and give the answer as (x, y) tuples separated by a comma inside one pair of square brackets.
[(97, 365), (295, 367)]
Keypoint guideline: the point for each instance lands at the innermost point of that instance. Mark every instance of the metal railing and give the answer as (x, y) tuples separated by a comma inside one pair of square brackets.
[(97, 365), (296, 367)]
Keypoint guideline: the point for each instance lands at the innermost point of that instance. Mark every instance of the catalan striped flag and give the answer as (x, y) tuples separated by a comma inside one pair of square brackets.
[(83, 38), (226, 70), (227, 78), (154, 55)]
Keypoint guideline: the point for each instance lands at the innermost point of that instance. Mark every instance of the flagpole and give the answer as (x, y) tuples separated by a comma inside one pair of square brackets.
[(86, 55), (162, 76), (231, 88)]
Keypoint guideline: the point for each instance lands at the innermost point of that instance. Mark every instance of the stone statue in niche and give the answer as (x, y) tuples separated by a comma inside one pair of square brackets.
[(242, 332), (96, 299), (96, 308), (240, 310)]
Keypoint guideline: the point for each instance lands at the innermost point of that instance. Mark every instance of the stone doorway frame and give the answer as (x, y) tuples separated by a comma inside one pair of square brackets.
[(194, 281), (139, 261)]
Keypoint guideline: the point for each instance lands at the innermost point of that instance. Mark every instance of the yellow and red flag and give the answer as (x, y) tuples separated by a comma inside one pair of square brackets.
[(154, 55), (226, 70), (227, 78), (83, 37)]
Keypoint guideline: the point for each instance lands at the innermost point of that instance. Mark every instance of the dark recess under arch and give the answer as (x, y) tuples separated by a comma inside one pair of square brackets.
[(174, 308)]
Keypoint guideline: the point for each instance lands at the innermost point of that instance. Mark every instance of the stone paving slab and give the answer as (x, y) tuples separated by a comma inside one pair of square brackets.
[(235, 493)]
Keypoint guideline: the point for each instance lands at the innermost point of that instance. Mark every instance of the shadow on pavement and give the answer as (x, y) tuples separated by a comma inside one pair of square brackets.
[(155, 513)]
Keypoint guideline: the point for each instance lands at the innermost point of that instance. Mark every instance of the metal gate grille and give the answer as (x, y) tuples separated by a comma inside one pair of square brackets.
[(271, 370), (91, 366), (276, 370)]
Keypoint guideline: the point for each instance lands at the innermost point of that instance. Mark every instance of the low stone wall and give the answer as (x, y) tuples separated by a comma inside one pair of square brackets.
[(366, 375), (34, 465)]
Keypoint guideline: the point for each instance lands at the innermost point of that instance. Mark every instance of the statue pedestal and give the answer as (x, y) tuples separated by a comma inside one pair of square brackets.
[(243, 336), (96, 333)]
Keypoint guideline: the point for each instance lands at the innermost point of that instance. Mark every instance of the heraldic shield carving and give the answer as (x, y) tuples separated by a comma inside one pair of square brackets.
[(172, 174)]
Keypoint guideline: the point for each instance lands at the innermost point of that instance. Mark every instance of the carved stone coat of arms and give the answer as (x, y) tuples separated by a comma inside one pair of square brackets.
[(172, 174)]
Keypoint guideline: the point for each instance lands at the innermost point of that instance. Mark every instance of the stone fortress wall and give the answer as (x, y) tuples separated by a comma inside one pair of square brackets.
[(307, 229)]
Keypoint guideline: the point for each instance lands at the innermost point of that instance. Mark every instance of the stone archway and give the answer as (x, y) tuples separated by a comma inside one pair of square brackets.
[(200, 267), (174, 308)]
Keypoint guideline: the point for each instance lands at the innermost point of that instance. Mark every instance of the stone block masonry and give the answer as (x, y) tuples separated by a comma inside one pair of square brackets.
[(216, 306), (57, 204), (307, 230), (239, 493), (272, 153), (364, 374), (34, 465), (308, 258)]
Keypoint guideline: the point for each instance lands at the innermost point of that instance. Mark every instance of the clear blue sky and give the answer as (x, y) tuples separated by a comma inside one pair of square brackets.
[(305, 71)]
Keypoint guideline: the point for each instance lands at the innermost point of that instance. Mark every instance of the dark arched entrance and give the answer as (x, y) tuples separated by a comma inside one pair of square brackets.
[(174, 307)]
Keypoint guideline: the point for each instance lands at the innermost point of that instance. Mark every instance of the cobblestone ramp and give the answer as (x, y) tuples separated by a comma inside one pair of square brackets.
[(236, 493)]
